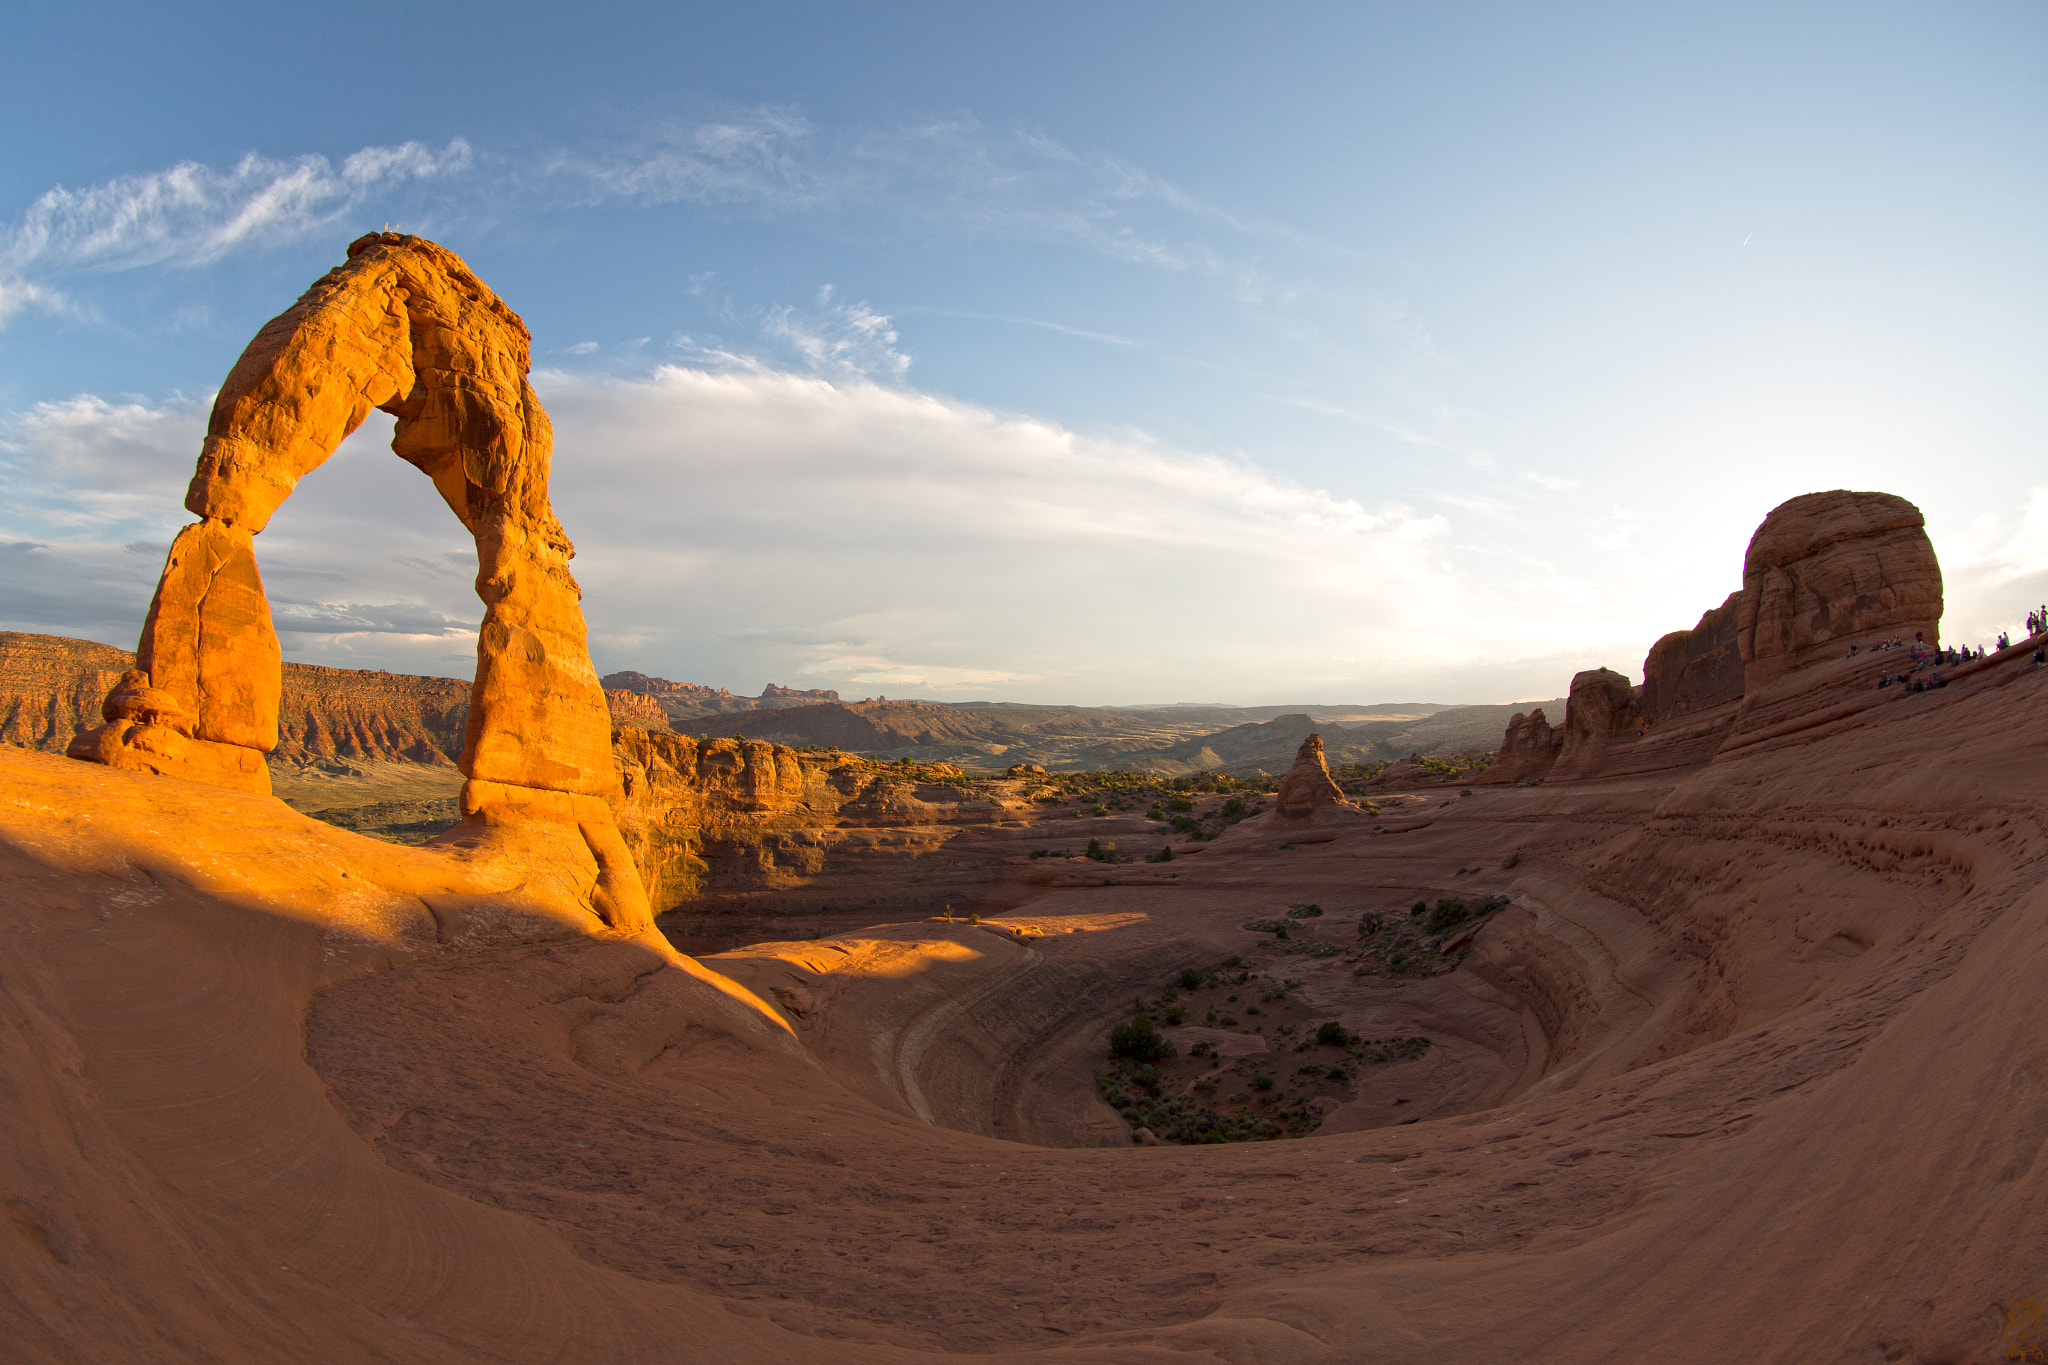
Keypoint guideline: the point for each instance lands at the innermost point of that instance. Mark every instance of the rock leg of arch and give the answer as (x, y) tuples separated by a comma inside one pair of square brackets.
[(405, 326)]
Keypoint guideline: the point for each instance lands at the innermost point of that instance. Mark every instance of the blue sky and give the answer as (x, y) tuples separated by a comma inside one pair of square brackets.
[(1085, 353)]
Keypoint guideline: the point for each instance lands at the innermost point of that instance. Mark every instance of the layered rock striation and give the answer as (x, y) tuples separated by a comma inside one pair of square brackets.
[(51, 689)]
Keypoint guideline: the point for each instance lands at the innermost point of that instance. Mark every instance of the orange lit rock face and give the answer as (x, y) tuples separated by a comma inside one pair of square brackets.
[(403, 326)]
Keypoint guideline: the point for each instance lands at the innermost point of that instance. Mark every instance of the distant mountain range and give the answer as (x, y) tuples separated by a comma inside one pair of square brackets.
[(50, 687)]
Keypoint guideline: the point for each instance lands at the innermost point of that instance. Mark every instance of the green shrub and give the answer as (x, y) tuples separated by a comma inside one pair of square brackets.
[(1138, 1041), (1304, 911), (1371, 924), (1262, 1082), (1446, 914), (1421, 908), (1097, 852), (1398, 963), (1173, 1014), (1164, 855), (1190, 979), (1333, 1034), (1180, 803), (1233, 808)]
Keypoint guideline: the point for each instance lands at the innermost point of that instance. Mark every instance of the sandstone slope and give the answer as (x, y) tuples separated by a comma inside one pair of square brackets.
[(1741, 1074)]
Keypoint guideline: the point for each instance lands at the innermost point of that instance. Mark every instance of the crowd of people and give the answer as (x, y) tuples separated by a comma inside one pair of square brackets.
[(1926, 658)]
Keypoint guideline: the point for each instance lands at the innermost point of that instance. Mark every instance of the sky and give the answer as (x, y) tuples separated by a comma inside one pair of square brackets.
[(1084, 353)]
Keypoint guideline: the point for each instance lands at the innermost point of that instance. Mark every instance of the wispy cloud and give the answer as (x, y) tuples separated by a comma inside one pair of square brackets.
[(193, 214), (839, 339), (957, 170)]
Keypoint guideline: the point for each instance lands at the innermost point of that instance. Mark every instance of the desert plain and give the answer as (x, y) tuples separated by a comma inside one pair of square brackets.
[(1702, 1022)]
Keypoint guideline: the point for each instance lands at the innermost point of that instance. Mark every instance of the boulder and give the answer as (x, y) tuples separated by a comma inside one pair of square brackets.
[(1825, 567)]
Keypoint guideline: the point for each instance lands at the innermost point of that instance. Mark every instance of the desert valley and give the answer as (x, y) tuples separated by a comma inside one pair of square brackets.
[(1692, 1015)]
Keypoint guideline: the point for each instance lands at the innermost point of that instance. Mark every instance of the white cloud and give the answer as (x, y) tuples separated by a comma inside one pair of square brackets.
[(839, 340), (192, 214), (84, 467), (760, 525), (1555, 483), (747, 524)]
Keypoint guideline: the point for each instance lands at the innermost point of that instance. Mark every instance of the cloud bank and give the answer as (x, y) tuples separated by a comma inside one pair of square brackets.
[(746, 524)]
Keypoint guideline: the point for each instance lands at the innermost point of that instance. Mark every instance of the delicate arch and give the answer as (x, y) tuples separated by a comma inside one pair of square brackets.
[(403, 326)]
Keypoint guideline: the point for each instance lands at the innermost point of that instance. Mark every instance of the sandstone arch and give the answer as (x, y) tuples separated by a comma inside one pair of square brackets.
[(404, 326)]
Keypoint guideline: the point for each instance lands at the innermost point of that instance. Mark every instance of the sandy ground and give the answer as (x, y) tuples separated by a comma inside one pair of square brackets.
[(1755, 1067)]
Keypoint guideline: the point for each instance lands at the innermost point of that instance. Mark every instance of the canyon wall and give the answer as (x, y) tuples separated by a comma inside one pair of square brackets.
[(51, 689), (740, 839)]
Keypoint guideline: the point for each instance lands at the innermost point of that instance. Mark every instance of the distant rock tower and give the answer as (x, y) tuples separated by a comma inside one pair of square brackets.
[(1308, 787)]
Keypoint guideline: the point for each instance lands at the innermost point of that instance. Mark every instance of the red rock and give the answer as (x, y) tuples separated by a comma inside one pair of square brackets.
[(1694, 670), (1307, 788), (405, 326), (1527, 751), (635, 709), (1602, 712), (1826, 567)]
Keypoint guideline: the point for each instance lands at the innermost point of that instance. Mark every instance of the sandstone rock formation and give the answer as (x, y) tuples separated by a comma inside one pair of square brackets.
[(1834, 566), (1602, 712), (404, 326), (1694, 670), (1307, 789), (365, 715), (51, 687), (635, 710), (1822, 569), (738, 838), (681, 701), (1527, 750)]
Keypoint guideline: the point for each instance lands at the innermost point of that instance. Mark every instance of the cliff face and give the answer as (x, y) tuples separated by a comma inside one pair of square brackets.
[(635, 709), (742, 837), (328, 713), (1829, 566), (1527, 750), (1694, 670), (687, 701), (51, 689), (1602, 712)]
